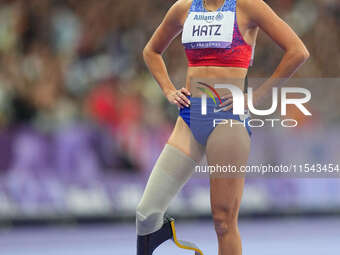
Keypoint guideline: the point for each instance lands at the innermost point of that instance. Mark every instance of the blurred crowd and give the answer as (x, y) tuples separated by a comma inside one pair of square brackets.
[(75, 66), (68, 64), (76, 97)]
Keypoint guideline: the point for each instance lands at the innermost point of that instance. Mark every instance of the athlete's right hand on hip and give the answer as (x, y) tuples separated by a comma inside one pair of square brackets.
[(179, 97)]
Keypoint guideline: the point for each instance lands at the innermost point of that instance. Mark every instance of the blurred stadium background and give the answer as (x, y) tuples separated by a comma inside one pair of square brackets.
[(82, 121)]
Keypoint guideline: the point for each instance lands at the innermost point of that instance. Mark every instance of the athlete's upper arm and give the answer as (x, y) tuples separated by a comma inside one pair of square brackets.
[(170, 27), (263, 16)]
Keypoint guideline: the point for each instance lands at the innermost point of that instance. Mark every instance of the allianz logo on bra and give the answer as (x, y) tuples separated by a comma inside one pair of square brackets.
[(209, 18)]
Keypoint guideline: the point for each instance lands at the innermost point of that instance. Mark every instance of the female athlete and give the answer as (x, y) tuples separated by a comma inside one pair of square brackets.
[(219, 38)]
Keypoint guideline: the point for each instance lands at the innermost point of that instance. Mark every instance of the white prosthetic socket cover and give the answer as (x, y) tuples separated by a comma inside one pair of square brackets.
[(171, 171)]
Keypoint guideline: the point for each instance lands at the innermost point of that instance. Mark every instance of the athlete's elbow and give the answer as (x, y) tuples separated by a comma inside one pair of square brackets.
[(146, 53), (299, 55), (302, 55)]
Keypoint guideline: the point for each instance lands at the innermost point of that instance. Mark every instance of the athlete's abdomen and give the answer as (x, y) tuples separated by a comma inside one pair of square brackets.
[(231, 75)]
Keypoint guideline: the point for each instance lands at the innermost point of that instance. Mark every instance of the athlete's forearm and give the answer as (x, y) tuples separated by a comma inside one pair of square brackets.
[(289, 64), (157, 67)]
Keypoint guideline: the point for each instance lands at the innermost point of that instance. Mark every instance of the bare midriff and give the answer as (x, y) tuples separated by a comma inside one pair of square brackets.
[(213, 74)]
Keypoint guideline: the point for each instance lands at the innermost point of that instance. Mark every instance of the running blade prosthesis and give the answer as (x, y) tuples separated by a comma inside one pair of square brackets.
[(148, 243)]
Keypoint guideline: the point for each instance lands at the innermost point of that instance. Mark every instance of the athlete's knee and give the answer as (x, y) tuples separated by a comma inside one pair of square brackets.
[(225, 219), (170, 173)]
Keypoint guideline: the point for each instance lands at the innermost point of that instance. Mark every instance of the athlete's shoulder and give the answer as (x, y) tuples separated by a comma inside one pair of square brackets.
[(250, 3), (182, 5), (254, 9), (178, 11)]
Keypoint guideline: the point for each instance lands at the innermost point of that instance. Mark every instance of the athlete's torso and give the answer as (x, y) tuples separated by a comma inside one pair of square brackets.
[(224, 56), (212, 38)]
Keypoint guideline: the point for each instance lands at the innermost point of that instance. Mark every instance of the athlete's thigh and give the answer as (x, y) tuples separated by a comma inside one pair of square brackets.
[(183, 139), (227, 147)]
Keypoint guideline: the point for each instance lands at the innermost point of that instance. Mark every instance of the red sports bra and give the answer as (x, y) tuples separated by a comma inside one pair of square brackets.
[(237, 54)]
